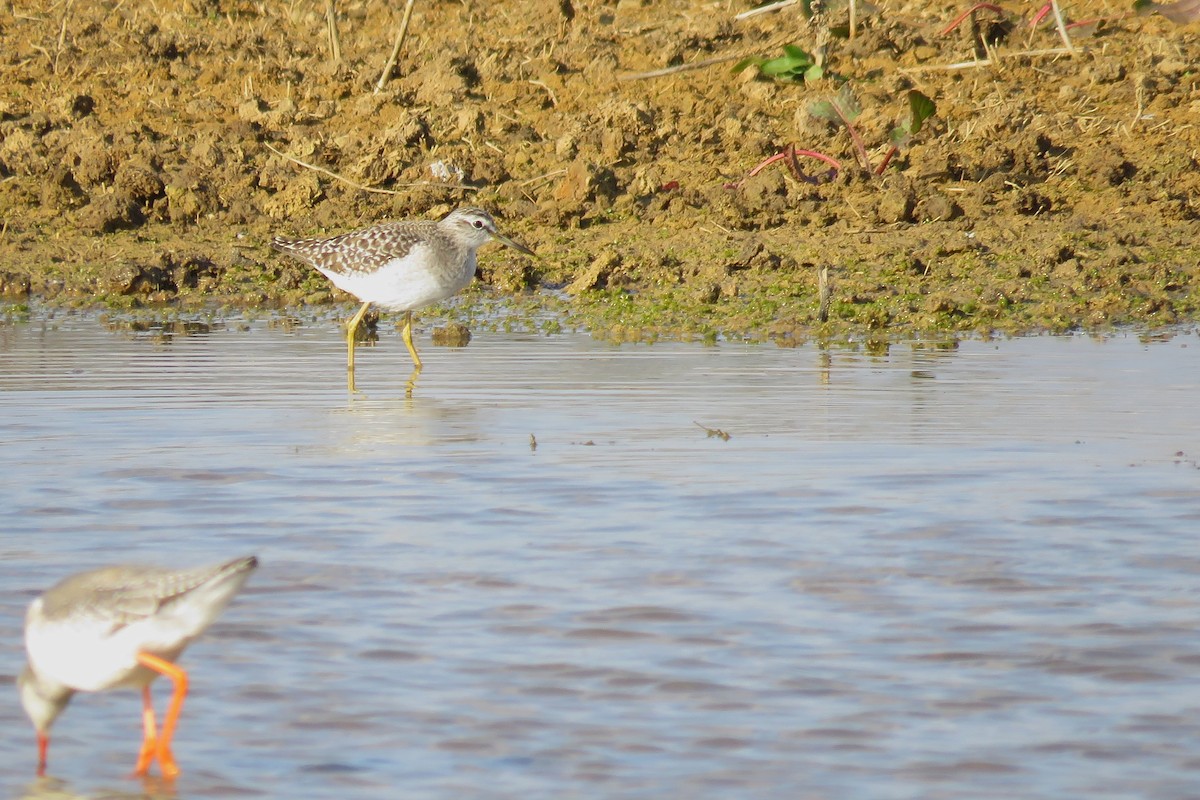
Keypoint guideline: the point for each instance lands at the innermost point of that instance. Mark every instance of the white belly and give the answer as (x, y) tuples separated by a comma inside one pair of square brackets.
[(83, 652), (87, 660), (407, 284)]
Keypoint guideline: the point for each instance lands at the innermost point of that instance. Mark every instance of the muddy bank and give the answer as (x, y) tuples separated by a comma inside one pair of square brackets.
[(147, 156)]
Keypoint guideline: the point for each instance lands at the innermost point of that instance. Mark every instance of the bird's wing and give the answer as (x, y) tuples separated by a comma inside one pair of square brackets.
[(125, 594), (361, 251)]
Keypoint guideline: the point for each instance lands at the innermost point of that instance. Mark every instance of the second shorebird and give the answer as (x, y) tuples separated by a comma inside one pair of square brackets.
[(121, 626), (400, 266)]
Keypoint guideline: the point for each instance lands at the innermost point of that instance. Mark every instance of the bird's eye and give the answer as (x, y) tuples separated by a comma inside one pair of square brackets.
[(478, 224)]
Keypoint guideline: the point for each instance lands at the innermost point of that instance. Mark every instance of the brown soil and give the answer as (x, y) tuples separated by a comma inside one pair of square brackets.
[(1048, 192)]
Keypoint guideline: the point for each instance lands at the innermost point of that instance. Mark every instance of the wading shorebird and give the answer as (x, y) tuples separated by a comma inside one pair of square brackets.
[(400, 266), (121, 626)]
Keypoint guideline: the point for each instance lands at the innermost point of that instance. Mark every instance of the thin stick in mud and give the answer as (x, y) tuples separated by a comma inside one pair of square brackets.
[(400, 37)]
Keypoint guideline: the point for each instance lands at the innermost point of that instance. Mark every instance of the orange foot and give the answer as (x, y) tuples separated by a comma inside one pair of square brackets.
[(153, 745)]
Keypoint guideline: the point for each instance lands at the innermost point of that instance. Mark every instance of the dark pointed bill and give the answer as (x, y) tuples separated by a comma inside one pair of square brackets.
[(502, 239)]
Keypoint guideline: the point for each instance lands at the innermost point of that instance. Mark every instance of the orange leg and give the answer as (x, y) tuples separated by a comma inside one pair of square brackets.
[(43, 745), (162, 748), (149, 735)]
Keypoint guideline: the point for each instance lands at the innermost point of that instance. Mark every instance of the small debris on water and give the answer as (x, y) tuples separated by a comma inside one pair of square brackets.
[(717, 432)]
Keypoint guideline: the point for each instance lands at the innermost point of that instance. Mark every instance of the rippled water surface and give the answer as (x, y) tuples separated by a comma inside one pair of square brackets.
[(937, 573)]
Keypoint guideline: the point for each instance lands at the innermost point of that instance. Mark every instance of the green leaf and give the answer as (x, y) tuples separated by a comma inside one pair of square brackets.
[(921, 108), (847, 103), (793, 65), (814, 73), (796, 52), (777, 67), (823, 109), (746, 62)]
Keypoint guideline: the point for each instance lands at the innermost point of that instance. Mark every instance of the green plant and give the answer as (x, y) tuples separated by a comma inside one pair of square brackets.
[(794, 65), (844, 108), (920, 108)]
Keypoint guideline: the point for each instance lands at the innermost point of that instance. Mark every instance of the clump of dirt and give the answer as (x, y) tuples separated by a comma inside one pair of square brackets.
[(149, 157)]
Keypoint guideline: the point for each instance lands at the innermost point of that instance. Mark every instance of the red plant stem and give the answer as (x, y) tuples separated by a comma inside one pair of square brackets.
[(977, 7), (1039, 16), (830, 160), (886, 160), (790, 153), (1083, 23), (764, 164), (861, 148), (792, 164)]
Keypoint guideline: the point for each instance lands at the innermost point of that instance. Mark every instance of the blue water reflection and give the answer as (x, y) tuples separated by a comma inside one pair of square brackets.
[(961, 571)]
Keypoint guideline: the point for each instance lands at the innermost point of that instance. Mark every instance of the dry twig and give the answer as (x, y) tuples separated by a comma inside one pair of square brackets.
[(400, 37), (658, 73), (1062, 29), (987, 62), (713, 432), (549, 91), (335, 42), (62, 34), (764, 9), (543, 178), (824, 293), (361, 187)]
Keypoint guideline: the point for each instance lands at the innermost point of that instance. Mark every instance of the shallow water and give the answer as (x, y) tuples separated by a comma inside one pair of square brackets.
[(962, 572)]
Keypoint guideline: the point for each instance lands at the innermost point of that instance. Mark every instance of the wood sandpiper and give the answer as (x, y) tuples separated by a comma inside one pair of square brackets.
[(400, 266), (121, 626)]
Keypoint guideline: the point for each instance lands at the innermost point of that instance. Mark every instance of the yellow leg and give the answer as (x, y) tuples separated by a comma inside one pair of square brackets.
[(406, 335), (411, 383), (351, 330)]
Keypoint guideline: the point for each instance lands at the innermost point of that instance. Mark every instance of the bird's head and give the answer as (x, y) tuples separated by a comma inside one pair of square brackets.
[(43, 701), (476, 226)]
